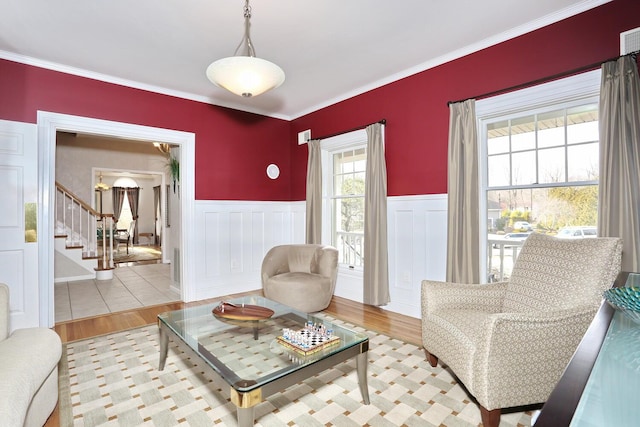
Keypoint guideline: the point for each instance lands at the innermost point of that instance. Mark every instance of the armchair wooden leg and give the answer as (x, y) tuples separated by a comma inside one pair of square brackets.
[(490, 418), (433, 360)]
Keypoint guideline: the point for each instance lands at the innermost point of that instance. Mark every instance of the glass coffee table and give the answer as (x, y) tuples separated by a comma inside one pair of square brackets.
[(259, 357)]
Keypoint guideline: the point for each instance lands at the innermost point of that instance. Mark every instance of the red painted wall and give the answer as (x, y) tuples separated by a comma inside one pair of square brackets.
[(416, 107), (233, 148)]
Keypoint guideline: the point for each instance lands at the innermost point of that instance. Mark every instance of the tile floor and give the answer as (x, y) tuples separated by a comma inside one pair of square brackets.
[(131, 287)]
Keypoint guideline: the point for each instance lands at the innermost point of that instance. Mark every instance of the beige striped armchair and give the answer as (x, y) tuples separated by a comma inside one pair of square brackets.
[(509, 342)]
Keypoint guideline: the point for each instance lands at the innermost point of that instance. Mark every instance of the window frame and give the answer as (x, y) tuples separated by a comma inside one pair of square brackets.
[(562, 93), (330, 146)]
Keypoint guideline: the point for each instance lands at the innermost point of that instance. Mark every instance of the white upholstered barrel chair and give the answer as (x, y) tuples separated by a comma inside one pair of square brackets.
[(509, 342), (301, 276)]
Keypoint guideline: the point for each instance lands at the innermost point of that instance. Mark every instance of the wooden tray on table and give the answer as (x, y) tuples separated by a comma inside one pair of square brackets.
[(227, 310)]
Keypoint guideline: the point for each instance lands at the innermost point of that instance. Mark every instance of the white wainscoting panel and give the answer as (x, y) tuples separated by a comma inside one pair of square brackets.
[(417, 236), (236, 235), (232, 239)]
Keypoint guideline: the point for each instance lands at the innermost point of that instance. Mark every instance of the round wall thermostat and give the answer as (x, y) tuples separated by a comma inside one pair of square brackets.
[(273, 171)]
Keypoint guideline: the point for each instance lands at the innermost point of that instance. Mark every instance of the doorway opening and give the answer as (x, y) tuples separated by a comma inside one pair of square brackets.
[(181, 230)]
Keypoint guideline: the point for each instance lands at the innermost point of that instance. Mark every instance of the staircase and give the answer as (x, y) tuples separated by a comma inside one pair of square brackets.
[(81, 252)]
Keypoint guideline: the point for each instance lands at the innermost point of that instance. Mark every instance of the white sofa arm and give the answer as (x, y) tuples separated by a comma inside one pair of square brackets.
[(27, 358)]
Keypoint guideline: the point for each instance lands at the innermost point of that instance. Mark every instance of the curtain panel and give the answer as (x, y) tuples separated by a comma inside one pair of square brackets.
[(157, 214), (619, 186), (376, 263), (133, 195), (463, 236), (314, 194), (118, 194)]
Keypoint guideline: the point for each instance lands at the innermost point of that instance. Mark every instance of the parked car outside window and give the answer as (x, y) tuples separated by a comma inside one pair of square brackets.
[(577, 232), (513, 237), (522, 226)]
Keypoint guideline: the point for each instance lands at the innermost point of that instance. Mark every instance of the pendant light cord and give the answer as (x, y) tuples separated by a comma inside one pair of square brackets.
[(246, 40)]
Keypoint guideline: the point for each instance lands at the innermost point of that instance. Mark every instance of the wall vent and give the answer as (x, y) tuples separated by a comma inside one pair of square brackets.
[(630, 41), (304, 136)]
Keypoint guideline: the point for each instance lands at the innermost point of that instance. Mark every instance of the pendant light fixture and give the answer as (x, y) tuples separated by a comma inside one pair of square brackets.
[(163, 148), (101, 186), (244, 74)]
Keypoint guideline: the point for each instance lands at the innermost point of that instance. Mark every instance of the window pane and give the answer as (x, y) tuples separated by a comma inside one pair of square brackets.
[(523, 170), (563, 211), (551, 129), (353, 186), (583, 162), (498, 137), (552, 165), (348, 236), (499, 173), (582, 124), (351, 214), (338, 185), (346, 166), (337, 163), (523, 135), (360, 159), (583, 132)]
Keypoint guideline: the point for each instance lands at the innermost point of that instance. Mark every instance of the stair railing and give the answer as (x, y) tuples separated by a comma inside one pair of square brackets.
[(82, 225)]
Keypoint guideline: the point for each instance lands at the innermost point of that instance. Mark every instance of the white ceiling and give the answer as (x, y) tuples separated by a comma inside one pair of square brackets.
[(330, 50)]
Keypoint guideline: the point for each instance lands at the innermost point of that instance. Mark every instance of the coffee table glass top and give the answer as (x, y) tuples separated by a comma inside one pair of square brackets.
[(248, 354)]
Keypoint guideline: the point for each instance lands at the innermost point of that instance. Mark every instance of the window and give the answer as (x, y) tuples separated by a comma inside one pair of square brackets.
[(540, 166), (125, 214), (344, 165)]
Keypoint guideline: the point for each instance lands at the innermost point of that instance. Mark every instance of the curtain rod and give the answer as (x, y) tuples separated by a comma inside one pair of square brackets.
[(544, 79), (382, 122)]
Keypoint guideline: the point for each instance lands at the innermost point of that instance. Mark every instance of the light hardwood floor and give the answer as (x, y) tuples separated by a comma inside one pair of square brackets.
[(373, 318)]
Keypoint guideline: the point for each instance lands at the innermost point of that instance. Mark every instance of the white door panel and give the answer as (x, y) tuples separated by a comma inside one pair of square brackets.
[(19, 188)]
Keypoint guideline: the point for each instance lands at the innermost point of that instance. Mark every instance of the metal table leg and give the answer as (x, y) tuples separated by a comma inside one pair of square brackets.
[(164, 348), (361, 365), (246, 416), (245, 405)]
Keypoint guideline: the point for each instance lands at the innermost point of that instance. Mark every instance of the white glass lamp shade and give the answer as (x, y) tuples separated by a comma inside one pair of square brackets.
[(245, 75)]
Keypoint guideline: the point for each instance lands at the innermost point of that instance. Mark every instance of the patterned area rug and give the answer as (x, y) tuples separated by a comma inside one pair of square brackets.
[(136, 253), (113, 380)]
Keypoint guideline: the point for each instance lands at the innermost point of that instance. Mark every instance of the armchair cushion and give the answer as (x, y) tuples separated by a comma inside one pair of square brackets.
[(303, 259)]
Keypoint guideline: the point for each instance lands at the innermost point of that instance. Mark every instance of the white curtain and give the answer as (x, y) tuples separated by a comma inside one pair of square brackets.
[(314, 193), (619, 186), (376, 265), (463, 236)]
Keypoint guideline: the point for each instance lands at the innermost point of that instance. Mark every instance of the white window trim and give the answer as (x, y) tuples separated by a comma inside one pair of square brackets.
[(574, 88), (343, 142)]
